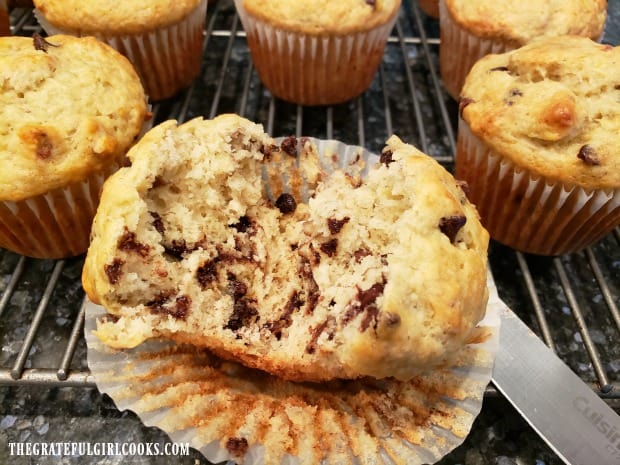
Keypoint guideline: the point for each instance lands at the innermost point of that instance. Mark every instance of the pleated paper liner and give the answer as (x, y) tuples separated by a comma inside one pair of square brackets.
[(460, 50), (232, 413), (55, 224), (531, 213), (314, 69), (229, 412)]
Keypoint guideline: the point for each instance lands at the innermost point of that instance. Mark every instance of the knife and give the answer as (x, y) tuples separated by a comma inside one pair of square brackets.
[(567, 414)]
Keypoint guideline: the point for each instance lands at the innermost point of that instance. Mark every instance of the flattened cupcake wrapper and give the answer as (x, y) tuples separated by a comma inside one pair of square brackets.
[(55, 224), (460, 50), (312, 69), (230, 412), (166, 59), (531, 213)]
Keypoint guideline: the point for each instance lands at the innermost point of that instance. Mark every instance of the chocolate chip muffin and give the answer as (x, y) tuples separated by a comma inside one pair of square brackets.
[(382, 275), (162, 38), (317, 52), (70, 109), (471, 29), (537, 143)]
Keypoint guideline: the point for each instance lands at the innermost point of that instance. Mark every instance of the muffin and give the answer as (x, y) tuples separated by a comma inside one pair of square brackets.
[(381, 276), (66, 125), (470, 30), (318, 52), (538, 143), (430, 7), (163, 39)]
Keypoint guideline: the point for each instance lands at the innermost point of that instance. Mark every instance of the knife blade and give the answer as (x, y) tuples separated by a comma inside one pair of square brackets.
[(567, 414)]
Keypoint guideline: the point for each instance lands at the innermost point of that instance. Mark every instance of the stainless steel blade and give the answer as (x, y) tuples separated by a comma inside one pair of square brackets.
[(576, 423)]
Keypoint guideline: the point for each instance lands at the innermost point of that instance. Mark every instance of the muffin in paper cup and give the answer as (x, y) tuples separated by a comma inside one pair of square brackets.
[(531, 213), (537, 144), (230, 412), (55, 224), (317, 53), (470, 30), (163, 42), (56, 156)]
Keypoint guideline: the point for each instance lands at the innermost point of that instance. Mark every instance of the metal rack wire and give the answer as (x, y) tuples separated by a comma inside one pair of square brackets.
[(570, 301)]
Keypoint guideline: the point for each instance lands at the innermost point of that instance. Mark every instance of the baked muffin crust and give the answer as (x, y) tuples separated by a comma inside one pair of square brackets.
[(124, 17), (553, 107), (324, 16), (68, 108), (517, 24)]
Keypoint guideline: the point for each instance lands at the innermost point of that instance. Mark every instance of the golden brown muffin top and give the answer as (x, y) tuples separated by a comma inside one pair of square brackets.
[(553, 107), (323, 16), (68, 107), (519, 22), (126, 17)]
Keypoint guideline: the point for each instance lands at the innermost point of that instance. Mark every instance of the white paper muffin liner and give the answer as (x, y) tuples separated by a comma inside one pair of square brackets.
[(167, 59), (531, 213), (232, 413), (460, 50), (55, 224), (310, 69)]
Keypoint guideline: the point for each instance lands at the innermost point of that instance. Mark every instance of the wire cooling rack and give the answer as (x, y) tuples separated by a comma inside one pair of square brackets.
[(570, 301)]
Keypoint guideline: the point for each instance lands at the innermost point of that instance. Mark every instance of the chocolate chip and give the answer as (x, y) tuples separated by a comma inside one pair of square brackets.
[(451, 225), (315, 333), (588, 155), (267, 150), (363, 302), (235, 287), (127, 242), (335, 225), (359, 254), (386, 157), (370, 316), (372, 3), (329, 247), (295, 302), (463, 102), (286, 203), (237, 446), (40, 43), (243, 225), (243, 314), (179, 309), (157, 223), (515, 93), (289, 146), (310, 286), (176, 249), (158, 182), (369, 296), (206, 273), (113, 270)]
